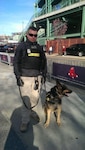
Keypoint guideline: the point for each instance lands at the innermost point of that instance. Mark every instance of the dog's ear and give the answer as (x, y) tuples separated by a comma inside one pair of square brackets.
[(58, 82)]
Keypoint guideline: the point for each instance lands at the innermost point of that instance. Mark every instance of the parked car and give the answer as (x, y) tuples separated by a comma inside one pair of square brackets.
[(76, 49), (7, 48), (2, 48)]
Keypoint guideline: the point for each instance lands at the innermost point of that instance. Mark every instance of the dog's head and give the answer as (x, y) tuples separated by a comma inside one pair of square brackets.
[(57, 92), (61, 89)]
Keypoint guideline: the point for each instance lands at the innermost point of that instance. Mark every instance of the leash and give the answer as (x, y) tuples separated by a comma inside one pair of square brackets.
[(36, 87), (24, 102), (43, 83)]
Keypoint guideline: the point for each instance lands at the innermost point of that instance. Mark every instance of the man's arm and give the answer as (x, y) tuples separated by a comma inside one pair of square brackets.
[(17, 60), (16, 64)]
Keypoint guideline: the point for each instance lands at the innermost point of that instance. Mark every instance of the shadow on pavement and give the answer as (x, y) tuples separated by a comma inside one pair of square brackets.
[(17, 140), (13, 142)]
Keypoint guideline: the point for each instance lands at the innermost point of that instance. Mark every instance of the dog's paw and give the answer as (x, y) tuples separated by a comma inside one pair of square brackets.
[(46, 125), (59, 123)]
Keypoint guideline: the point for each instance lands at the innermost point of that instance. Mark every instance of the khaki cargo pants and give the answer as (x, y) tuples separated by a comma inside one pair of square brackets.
[(30, 96)]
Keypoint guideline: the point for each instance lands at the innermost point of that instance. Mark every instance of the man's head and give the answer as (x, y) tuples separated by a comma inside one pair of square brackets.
[(32, 34)]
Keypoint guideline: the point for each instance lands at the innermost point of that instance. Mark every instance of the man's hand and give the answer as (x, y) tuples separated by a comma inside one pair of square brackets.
[(20, 82), (44, 77)]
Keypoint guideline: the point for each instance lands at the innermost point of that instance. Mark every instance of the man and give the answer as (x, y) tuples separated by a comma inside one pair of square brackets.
[(29, 67), (50, 50)]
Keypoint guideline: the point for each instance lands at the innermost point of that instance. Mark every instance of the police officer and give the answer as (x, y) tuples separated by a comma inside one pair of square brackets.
[(30, 66)]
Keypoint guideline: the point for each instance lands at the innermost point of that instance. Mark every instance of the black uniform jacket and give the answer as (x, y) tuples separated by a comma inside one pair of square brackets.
[(29, 59)]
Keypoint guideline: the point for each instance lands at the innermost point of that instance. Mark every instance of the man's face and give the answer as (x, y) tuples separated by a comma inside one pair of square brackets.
[(32, 35)]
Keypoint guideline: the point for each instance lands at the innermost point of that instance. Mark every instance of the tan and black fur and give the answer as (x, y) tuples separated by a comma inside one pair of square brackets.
[(53, 102)]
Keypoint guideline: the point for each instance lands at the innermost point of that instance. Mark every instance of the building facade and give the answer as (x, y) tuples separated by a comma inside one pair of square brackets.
[(60, 18), (59, 22)]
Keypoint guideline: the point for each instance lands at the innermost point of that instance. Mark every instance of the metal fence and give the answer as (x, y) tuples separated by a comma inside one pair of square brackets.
[(6, 58)]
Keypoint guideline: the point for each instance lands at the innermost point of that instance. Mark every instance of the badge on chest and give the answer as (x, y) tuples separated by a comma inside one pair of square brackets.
[(28, 51)]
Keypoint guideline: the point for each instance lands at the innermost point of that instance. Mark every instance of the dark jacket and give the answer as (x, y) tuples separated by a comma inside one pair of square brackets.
[(29, 59)]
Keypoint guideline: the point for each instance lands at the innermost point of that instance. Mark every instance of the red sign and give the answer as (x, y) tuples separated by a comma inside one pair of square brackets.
[(72, 73)]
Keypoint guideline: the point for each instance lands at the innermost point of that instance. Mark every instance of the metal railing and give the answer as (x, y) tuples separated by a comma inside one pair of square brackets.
[(60, 5), (6, 58)]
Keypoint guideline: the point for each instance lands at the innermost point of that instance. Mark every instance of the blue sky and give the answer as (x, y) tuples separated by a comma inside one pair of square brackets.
[(14, 15)]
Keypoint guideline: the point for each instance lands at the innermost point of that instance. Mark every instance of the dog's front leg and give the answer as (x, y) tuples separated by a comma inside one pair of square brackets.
[(48, 114), (59, 115)]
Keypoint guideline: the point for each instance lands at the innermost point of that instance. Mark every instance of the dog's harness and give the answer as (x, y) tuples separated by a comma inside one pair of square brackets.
[(52, 98)]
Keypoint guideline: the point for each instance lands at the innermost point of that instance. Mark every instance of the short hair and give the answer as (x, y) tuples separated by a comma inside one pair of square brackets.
[(32, 28)]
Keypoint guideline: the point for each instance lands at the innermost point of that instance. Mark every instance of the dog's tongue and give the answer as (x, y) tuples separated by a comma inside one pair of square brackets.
[(66, 94)]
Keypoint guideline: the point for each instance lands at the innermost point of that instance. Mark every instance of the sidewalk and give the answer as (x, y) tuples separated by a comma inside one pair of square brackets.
[(70, 136)]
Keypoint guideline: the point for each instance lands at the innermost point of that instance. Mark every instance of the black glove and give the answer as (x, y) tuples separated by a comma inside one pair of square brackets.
[(20, 82), (44, 77)]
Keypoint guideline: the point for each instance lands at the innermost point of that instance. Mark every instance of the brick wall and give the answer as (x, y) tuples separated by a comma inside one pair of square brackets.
[(58, 43)]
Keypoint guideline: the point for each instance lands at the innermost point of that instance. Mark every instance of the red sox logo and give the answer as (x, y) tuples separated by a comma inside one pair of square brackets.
[(72, 73)]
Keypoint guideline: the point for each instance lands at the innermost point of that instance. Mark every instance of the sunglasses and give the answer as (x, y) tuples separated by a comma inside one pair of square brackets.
[(35, 35)]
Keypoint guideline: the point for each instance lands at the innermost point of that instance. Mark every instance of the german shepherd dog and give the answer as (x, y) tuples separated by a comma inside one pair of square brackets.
[(53, 102)]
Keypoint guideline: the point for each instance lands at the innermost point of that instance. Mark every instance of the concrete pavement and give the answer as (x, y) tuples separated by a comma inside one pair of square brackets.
[(71, 134)]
